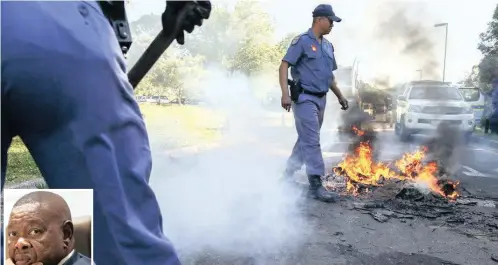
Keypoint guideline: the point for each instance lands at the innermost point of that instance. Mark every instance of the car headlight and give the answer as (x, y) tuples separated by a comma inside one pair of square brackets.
[(468, 110), (414, 108)]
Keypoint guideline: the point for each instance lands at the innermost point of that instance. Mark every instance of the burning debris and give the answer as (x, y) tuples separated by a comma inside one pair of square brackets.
[(359, 173), (411, 187)]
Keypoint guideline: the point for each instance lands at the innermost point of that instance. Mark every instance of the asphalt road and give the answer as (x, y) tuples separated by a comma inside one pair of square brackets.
[(225, 206)]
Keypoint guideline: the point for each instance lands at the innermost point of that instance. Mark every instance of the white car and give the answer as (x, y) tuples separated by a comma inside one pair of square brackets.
[(153, 99), (423, 106), (163, 100), (476, 99)]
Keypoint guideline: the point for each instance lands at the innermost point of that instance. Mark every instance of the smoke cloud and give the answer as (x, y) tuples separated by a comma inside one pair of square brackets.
[(393, 42), (445, 148), (229, 200), (411, 36)]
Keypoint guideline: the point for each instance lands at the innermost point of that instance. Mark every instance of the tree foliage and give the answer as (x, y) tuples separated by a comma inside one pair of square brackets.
[(237, 39), (488, 67), (212, 40), (472, 78)]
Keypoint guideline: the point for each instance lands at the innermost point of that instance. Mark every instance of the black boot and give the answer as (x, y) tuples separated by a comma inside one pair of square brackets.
[(318, 192)]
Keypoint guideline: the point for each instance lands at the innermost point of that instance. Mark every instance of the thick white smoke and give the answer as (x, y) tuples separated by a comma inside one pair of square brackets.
[(229, 200)]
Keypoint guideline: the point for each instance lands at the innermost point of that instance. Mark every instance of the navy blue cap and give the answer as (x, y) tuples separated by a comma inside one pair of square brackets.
[(326, 11), (494, 81)]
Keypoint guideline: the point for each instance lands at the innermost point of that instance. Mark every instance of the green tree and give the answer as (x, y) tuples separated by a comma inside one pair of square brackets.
[(237, 39), (472, 78), (143, 31), (172, 76), (174, 73), (213, 40), (257, 50), (284, 43), (488, 67)]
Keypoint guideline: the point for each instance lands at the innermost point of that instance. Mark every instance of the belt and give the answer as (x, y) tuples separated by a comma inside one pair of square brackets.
[(316, 94)]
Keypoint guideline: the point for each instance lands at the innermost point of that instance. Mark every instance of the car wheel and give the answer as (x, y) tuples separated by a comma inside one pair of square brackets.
[(404, 134)]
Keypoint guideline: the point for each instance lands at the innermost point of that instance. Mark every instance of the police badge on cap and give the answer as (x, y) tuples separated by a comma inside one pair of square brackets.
[(324, 10)]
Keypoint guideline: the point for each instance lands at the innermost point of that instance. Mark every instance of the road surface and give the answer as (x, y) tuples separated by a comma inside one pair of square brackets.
[(225, 206)]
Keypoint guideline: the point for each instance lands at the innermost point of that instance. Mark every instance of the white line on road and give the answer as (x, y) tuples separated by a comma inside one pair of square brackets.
[(477, 148), (474, 173)]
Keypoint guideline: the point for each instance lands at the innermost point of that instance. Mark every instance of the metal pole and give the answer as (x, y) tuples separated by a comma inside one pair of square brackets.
[(445, 48)]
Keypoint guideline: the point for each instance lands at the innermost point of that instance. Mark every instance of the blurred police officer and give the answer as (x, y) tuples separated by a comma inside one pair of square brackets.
[(493, 119), (65, 92), (311, 58)]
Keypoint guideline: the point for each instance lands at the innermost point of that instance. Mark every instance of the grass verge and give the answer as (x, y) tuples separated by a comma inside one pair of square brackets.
[(169, 127), (179, 126), (21, 166)]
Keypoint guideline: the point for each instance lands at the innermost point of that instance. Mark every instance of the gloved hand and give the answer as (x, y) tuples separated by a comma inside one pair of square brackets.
[(184, 15), (344, 103)]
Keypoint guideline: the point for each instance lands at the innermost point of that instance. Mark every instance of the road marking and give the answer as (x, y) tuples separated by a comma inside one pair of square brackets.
[(472, 172), (477, 148)]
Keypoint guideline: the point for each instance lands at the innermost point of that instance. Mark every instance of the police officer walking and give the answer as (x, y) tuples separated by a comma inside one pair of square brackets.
[(311, 58)]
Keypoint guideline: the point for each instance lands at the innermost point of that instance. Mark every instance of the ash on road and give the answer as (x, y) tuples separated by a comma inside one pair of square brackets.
[(341, 235)]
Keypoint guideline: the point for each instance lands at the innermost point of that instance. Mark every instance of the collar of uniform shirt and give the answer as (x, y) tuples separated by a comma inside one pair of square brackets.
[(66, 258)]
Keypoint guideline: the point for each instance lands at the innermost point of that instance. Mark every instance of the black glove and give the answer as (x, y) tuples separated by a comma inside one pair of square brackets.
[(184, 15), (344, 103)]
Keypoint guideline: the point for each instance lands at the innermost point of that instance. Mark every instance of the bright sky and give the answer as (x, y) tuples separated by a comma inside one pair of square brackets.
[(80, 201), (356, 35)]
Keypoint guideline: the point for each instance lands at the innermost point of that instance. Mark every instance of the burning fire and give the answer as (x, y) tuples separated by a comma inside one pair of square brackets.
[(361, 171)]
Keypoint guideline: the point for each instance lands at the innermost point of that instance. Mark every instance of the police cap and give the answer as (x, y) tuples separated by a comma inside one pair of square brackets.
[(324, 10)]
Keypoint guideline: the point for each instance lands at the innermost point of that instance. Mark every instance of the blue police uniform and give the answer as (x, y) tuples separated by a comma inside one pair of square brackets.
[(312, 63), (66, 94), (493, 118), (494, 95)]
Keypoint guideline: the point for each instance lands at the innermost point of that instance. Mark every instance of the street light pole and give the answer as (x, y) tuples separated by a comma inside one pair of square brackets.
[(445, 45)]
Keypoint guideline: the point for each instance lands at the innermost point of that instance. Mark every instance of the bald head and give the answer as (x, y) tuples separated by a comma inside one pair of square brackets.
[(40, 229), (45, 201)]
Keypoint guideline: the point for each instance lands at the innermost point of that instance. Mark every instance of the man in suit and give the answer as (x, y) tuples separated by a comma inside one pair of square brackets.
[(41, 232)]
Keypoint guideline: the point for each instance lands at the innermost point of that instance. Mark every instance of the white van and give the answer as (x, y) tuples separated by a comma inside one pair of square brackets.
[(423, 106), (475, 97)]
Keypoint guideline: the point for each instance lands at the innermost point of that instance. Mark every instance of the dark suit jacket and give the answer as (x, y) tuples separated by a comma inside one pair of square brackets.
[(78, 259)]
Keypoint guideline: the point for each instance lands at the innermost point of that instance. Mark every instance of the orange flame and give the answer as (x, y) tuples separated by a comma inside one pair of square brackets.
[(359, 168)]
